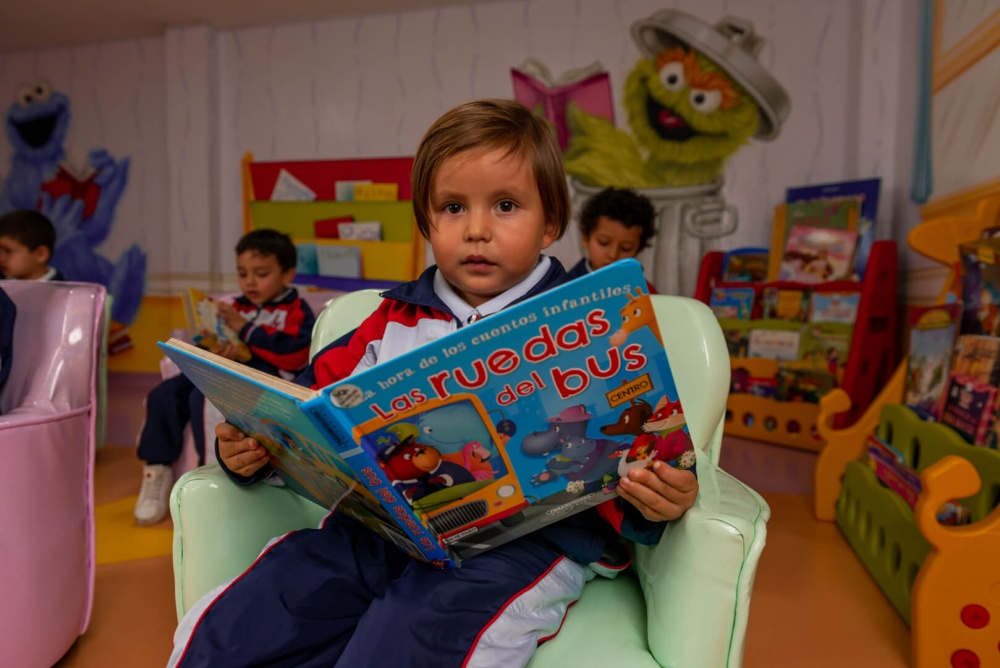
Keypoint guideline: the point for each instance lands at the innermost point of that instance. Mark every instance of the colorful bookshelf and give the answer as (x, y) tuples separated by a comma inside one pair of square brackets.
[(942, 580), (397, 257), (871, 360)]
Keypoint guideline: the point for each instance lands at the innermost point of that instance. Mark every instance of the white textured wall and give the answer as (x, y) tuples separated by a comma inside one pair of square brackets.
[(188, 105)]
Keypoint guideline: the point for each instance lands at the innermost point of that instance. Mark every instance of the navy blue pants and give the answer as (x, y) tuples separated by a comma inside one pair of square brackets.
[(342, 596), (170, 406)]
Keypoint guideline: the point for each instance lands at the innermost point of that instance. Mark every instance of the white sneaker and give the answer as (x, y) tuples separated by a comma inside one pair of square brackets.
[(151, 507)]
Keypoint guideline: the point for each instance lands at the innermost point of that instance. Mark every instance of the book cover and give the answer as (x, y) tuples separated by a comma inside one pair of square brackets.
[(485, 434), (815, 254), (867, 190), (745, 265), (336, 260), (775, 339), (205, 326), (980, 286), (785, 304), (932, 332), (589, 88), (968, 408), (839, 307), (328, 228), (732, 302), (827, 345)]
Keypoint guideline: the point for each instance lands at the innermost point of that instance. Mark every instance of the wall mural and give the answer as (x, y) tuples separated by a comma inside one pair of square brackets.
[(80, 203), (695, 97)]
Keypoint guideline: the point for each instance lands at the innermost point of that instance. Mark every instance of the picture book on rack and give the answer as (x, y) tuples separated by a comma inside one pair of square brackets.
[(484, 435), (206, 328)]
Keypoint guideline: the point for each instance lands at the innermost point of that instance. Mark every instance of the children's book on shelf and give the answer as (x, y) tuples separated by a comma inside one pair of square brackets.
[(732, 302), (865, 189), (745, 265), (891, 468), (817, 254), (207, 329), (785, 304), (835, 306), (484, 435), (775, 339), (932, 332), (826, 345), (970, 399), (589, 88), (980, 281)]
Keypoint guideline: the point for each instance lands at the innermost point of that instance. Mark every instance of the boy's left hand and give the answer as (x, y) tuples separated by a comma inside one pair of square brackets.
[(661, 494)]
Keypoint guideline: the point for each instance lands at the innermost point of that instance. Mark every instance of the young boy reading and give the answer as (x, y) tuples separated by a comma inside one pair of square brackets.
[(489, 195), (27, 239), (615, 224), (277, 327)]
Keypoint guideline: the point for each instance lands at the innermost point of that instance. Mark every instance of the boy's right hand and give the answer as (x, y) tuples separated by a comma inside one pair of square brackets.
[(240, 453)]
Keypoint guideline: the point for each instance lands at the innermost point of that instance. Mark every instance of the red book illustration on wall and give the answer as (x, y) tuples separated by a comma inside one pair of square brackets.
[(65, 182), (589, 88)]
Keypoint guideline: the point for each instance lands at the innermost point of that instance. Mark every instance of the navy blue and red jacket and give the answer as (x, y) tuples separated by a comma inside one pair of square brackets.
[(585, 536), (278, 333)]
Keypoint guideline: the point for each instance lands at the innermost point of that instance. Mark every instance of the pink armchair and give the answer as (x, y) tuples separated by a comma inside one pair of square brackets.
[(48, 421)]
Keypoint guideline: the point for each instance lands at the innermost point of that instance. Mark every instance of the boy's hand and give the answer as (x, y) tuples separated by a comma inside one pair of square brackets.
[(240, 453), (661, 494), (232, 317)]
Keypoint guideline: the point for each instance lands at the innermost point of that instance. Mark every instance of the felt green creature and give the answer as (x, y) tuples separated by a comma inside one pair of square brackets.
[(687, 116)]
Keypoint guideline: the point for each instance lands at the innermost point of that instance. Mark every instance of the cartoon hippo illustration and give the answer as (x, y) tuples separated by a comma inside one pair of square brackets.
[(579, 457)]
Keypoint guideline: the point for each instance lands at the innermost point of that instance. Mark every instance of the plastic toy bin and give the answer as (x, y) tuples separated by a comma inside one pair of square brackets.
[(878, 523)]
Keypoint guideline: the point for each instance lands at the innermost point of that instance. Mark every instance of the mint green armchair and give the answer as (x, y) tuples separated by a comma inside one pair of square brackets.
[(685, 603)]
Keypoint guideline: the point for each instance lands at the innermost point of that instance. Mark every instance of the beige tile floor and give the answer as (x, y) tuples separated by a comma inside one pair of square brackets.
[(813, 603)]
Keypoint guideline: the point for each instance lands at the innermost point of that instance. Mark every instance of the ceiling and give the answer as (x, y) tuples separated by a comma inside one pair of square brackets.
[(47, 24)]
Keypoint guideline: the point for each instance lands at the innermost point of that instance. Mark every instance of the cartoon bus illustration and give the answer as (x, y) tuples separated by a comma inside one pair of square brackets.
[(447, 459)]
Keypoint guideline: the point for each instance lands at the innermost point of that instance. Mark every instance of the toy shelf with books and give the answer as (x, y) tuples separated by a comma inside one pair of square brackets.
[(351, 219), (896, 510), (774, 395)]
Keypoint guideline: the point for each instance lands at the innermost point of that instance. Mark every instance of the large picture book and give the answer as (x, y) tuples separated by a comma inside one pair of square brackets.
[(484, 435)]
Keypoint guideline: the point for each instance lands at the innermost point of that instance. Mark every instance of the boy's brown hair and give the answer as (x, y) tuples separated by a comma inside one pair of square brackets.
[(29, 228), (487, 125)]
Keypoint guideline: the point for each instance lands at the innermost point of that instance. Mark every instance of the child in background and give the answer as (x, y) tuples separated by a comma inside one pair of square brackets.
[(27, 239), (615, 224), (489, 194), (277, 327)]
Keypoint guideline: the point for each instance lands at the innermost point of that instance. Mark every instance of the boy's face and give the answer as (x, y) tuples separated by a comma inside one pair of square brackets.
[(261, 277), (488, 226), (611, 241), (19, 261)]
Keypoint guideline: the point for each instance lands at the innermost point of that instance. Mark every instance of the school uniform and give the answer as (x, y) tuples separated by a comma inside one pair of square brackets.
[(340, 595)]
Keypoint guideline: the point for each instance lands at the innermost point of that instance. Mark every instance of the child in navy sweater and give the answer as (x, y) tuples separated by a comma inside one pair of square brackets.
[(274, 323), (490, 195)]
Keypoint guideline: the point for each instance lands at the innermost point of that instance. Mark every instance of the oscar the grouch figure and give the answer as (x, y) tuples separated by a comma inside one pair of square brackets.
[(687, 112)]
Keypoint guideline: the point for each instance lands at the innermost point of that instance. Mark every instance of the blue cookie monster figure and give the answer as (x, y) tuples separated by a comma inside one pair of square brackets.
[(81, 211)]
